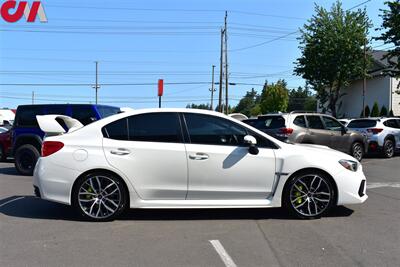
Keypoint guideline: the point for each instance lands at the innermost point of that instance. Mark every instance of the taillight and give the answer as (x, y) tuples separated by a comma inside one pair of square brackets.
[(286, 131), (374, 130), (51, 147)]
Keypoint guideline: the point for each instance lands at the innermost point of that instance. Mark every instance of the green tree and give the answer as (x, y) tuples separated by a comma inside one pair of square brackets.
[(391, 35), (367, 111), (247, 103), (384, 111), (332, 55), (301, 99), (274, 97), (256, 110), (375, 110), (199, 106)]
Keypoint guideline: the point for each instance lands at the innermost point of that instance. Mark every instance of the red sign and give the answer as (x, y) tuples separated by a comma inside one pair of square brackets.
[(10, 12), (160, 87)]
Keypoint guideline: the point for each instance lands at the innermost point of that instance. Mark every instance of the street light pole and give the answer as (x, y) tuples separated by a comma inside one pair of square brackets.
[(97, 86)]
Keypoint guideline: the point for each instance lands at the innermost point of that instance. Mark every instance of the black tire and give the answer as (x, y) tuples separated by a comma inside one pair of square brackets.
[(26, 157), (388, 148), (2, 154), (88, 200), (357, 151), (308, 202)]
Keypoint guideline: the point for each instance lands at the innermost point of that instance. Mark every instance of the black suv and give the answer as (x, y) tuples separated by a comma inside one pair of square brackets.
[(27, 136)]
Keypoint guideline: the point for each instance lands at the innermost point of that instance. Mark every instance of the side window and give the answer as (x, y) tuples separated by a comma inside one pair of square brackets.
[(117, 130), (390, 123), (314, 122), (84, 114), (300, 121), (27, 116), (155, 127), (332, 124), (210, 130)]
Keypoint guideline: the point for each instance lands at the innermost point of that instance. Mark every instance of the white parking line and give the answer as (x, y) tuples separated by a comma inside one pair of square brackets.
[(222, 253), (12, 200), (378, 185)]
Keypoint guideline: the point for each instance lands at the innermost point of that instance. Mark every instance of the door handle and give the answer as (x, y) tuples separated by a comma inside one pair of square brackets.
[(120, 152), (199, 156)]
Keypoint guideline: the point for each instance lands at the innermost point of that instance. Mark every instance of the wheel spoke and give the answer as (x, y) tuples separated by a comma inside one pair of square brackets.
[(297, 198), (91, 185), (112, 202), (98, 183), (321, 200), (300, 181), (298, 188), (109, 194), (107, 207)]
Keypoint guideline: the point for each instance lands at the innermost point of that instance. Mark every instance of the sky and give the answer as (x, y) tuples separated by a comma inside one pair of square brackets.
[(138, 42)]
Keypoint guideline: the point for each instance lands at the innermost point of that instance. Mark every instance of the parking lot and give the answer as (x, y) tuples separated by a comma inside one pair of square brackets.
[(34, 232)]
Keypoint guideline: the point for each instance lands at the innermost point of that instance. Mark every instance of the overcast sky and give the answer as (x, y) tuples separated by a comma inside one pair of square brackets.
[(138, 42)]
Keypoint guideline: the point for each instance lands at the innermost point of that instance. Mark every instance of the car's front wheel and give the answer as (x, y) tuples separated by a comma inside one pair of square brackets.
[(99, 196), (309, 195), (357, 151)]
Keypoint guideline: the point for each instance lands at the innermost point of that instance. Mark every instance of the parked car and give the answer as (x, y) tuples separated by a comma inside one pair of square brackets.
[(183, 158), (27, 136), (312, 128), (383, 134), (5, 145)]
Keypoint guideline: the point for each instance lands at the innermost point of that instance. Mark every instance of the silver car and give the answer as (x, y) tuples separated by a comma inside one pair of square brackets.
[(383, 134)]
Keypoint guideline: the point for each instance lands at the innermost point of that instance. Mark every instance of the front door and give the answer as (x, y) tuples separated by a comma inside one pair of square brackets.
[(220, 166), (317, 134), (149, 150), (339, 140)]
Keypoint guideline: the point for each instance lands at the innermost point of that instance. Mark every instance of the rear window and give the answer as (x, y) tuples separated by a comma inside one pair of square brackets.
[(362, 124), (84, 114), (270, 122), (26, 116)]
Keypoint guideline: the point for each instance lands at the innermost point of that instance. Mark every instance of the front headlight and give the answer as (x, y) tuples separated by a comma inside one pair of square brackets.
[(349, 164)]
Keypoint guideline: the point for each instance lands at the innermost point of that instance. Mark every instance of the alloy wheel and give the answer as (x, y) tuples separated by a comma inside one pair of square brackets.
[(310, 195), (358, 152), (389, 149), (99, 197)]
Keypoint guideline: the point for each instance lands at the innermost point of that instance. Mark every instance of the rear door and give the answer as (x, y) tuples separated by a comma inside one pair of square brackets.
[(317, 134), (393, 128), (149, 150)]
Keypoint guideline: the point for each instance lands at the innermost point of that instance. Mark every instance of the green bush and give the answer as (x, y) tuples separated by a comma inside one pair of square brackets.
[(384, 111), (375, 110), (367, 112)]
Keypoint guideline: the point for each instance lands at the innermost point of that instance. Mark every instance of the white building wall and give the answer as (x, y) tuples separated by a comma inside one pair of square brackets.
[(395, 96), (378, 89)]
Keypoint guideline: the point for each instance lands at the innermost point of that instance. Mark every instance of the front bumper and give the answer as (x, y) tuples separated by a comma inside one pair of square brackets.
[(351, 187)]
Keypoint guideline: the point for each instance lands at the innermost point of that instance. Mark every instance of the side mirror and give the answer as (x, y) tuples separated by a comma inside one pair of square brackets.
[(344, 130), (251, 141)]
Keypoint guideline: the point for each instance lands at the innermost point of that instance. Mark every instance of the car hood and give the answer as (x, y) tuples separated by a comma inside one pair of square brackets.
[(320, 151)]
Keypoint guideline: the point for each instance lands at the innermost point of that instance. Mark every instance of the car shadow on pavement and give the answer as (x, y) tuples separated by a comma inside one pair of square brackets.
[(9, 171), (35, 208)]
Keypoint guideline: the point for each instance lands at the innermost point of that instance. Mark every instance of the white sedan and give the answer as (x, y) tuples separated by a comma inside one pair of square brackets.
[(183, 158)]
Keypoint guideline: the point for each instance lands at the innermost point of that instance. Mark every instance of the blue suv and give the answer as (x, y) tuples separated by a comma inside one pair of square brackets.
[(27, 136)]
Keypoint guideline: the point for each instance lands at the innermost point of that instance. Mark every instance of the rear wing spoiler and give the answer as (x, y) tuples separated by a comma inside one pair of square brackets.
[(57, 124)]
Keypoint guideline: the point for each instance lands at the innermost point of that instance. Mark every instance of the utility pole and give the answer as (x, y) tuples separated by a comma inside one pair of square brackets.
[(221, 72), (212, 88), (365, 77), (33, 97), (226, 64), (97, 86)]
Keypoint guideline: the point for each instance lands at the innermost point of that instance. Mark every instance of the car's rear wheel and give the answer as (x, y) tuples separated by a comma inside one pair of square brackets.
[(2, 154), (357, 151), (99, 196), (388, 148), (309, 195), (26, 157)]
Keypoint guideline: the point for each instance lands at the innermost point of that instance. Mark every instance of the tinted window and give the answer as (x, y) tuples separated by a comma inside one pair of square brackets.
[(211, 130), (271, 122), (314, 122), (107, 111), (332, 124), (390, 123), (300, 121), (398, 124), (58, 110), (84, 114), (362, 124), (117, 130), (155, 127), (27, 116)]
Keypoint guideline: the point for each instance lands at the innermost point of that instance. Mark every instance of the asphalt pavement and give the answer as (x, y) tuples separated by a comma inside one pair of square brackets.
[(34, 232)]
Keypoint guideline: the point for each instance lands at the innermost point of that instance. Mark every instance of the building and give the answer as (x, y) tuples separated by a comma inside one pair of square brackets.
[(380, 88)]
